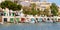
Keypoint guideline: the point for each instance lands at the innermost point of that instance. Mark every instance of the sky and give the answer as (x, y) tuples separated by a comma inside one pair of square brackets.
[(54, 1)]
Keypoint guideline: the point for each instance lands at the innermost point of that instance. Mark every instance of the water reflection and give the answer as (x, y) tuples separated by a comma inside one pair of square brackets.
[(26, 26)]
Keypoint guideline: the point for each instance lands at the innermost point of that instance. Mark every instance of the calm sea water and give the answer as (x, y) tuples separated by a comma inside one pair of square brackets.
[(26, 26)]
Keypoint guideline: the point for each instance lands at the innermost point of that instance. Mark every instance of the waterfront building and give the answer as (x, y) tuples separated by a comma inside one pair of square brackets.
[(7, 15), (10, 16)]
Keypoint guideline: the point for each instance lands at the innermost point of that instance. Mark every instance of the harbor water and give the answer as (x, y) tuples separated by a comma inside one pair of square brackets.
[(30, 26)]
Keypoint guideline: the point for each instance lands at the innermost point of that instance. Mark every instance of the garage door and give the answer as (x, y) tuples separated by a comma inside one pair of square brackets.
[(17, 19), (5, 19), (11, 19)]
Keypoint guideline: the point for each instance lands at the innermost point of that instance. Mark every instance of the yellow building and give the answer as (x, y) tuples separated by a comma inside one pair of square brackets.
[(59, 11), (39, 5)]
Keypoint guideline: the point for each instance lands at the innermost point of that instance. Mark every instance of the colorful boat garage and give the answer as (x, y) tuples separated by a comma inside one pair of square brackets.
[(7, 15)]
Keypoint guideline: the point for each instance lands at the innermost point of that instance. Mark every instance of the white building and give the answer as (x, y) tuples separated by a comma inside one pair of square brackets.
[(1, 1)]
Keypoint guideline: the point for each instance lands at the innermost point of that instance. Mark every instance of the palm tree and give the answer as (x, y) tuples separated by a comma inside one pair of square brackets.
[(54, 9)]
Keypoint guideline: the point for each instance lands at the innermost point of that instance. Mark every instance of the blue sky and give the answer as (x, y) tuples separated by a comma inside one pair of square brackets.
[(54, 1)]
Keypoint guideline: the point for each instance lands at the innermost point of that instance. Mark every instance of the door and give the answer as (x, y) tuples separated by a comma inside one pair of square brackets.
[(11, 19), (5, 19), (0, 19), (17, 19), (22, 20)]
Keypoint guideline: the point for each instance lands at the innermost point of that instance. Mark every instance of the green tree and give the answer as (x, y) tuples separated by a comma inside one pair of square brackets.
[(46, 12), (26, 10), (33, 6), (10, 5), (34, 12), (33, 9), (30, 10), (41, 12), (54, 9)]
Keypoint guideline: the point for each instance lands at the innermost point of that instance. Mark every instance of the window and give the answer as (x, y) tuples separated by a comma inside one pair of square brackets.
[(12, 14), (47, 3), (1, 14), (9, 14), (4, 14), (44, 4), (43, 7), (5, 19)]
